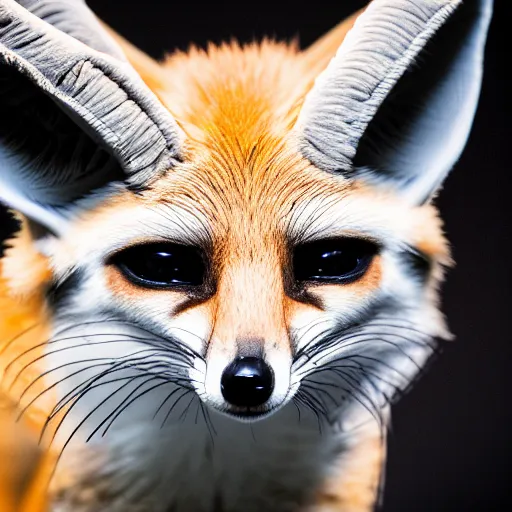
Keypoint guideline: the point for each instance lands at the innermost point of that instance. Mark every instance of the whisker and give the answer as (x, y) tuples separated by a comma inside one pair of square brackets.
[(303, 397), (367, 333), (18, 336), (129, 337), (126, 402), (208, 421), (135, 398), (88, 385), (166, 399), (70, 437), (186, 391), (120, 388), (130, 364), (185, 411), (364, 372), (358, 328)]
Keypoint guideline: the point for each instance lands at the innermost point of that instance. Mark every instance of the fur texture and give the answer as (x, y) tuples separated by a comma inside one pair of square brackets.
[(122, 383)]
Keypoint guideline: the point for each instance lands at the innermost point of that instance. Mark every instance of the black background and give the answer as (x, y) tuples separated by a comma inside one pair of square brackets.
[(450, 447)]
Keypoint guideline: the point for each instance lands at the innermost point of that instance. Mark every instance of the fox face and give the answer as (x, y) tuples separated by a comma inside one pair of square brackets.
[(316, 269), (243, 234)]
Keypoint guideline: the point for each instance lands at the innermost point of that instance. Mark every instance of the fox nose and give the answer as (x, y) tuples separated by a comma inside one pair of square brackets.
[(247, 382)]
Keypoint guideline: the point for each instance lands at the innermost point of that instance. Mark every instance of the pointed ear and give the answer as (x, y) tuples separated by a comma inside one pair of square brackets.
[(396, 104), (74, 115)]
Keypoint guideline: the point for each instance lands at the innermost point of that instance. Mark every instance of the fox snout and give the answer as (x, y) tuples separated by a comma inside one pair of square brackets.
[(249, 354)]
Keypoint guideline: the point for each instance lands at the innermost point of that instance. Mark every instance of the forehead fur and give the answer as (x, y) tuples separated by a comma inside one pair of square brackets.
[(238, 105), (242, 174), (238, 91)]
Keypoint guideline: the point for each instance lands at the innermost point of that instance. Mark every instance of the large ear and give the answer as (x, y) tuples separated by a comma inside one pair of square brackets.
[(74, 115), (396, 103)]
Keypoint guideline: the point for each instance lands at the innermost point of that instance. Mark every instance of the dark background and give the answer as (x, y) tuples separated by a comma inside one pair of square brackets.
[(450, 447)]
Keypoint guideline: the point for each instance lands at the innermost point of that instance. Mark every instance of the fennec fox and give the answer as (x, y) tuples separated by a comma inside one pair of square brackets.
[(228, 262)]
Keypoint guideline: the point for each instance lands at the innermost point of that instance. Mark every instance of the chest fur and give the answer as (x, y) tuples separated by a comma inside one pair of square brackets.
[(217, 466)]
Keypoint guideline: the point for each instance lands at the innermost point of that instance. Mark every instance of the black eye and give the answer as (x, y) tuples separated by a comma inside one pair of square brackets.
[(341, 260), (162, 265)]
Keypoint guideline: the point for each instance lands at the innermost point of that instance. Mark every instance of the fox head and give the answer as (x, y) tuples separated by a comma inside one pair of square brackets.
[(246, 228)]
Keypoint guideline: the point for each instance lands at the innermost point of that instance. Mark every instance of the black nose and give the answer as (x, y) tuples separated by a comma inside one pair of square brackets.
[(247, 382)]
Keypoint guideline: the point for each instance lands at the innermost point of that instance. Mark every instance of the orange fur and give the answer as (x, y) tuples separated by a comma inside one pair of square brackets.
[(237, 105), (24, 327), (27, 270), (24, 468), (354, 485)]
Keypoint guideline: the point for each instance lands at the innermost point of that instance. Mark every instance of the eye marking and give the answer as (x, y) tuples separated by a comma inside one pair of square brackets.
[(333, 261), (161, 265)]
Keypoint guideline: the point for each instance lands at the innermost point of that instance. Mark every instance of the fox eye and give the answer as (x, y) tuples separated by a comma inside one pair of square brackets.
[(162, 265), (341, 261)]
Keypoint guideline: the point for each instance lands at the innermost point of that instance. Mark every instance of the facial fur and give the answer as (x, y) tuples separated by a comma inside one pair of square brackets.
[(137, 371), (246, 197)]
